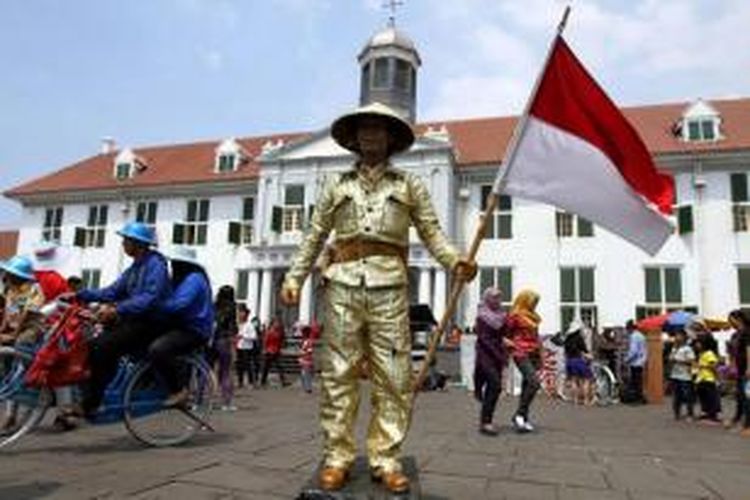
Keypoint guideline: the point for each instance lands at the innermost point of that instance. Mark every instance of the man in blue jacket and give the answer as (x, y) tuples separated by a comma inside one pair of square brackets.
[(130, 309), (190, 316)]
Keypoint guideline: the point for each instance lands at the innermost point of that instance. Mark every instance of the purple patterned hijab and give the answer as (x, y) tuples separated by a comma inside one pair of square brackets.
[(489, 310)]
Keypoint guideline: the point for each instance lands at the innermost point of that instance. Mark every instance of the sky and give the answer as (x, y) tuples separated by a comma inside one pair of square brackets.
[(172, 71)]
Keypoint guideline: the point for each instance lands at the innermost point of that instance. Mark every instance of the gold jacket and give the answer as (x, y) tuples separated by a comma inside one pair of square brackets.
[(355, 208)]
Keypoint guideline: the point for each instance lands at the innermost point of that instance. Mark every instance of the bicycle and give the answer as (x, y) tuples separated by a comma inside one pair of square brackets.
[(134, 396)]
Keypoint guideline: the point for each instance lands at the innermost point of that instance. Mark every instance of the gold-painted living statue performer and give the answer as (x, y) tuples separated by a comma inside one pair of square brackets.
[(370, 208)]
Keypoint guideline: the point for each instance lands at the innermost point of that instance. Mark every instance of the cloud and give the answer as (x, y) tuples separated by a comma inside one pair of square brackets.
[(476, 95), (646, 49), (212, 59)]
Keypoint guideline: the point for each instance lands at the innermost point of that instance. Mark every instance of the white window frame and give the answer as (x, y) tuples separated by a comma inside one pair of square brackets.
[(96, 232), (149, 217), (247, 225), (292, 214), (196, 229), (500, 213), (507, 298), (91, 278), (586, 311), (663, 306), (52, 224)]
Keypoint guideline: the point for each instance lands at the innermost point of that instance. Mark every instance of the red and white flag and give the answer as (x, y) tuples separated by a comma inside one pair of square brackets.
[(578, 152)]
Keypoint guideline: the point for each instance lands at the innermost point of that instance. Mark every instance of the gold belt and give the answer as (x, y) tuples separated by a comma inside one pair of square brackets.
[(349, 250)]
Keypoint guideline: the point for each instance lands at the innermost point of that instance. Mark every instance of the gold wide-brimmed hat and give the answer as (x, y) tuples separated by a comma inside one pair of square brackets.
[(344, 129)]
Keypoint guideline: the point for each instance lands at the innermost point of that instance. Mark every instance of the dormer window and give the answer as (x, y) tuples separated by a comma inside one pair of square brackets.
[(226, 162), (127, 164), (122, 170), (229, 155), (701, 122)]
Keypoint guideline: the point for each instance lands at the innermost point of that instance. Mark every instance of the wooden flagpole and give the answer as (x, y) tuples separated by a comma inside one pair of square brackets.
[(492, 202)]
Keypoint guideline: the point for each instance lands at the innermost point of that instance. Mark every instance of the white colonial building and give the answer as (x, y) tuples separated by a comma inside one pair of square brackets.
[(244, 204)]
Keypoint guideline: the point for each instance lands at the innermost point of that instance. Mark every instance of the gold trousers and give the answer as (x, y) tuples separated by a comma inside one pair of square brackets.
[(372, 325)]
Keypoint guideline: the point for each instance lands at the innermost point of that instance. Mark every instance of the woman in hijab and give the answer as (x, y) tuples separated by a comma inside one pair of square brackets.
[(491, 357), (522, 327)]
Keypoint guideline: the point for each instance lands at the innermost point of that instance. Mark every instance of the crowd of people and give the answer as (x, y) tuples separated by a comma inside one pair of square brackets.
[(694, 369), (160, 307)]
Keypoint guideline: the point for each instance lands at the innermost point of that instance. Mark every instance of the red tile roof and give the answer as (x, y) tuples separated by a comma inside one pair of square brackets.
[(477, 142), (8, 244)]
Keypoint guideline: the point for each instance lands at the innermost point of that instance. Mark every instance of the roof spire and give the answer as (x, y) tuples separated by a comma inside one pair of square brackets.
[(392, 5)]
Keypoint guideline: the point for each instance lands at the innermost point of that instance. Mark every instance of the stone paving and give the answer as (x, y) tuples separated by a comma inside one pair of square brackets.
[(269, 448)]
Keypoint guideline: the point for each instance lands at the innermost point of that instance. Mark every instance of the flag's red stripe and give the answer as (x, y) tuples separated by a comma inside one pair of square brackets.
[(570, 99)]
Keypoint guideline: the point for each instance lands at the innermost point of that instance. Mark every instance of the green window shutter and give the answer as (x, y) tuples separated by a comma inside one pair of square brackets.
[(79, 237), (92, 216), (505, 283), (567, 285), (242, 284), (504, 226), (235, 233), (739, 187), (178, 234), (585, 227), (203, 211), (685, 219), (202, 234), (192, 210), (559, 223), (277, 215), (694, 131), (486, 280), (653, 285), (586, 283), (743, 277), (140, 212), (48, 214), (505, 203), (707, 127), (673, 285), (248, 209), (103, 212)]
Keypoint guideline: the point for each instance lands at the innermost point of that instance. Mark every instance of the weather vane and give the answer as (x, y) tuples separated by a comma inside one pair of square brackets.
[(392, 5)]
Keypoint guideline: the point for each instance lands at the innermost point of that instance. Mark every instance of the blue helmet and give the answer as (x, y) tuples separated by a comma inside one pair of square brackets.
[(20, 266), (138, 231)]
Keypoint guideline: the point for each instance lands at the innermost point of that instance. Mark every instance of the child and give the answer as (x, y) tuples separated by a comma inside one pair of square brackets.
[(577, 368), (22, 324), (306, 359), (682, 358), (705, 380)]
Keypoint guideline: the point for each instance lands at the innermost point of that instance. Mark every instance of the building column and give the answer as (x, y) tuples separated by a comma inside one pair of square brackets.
[(252, 292), (304, 302), (425, 286), (266, 289), (438, 302)]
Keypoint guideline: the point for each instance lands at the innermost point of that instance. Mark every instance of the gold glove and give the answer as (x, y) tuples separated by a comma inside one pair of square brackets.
[(289, 294), (465, 270)]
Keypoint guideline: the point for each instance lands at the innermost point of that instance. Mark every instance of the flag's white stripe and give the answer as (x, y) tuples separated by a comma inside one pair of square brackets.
[(556, 167)]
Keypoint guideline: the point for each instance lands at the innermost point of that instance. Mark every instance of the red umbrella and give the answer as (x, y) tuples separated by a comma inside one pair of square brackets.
[(652, 323)]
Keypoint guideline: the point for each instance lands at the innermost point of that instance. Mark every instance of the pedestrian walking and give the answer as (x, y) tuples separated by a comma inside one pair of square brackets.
[(491, 358), (635, 359), (682, 359), (522, 325), (247, 337), (272, 344), (705, 381), (739, 350), (224, 343)]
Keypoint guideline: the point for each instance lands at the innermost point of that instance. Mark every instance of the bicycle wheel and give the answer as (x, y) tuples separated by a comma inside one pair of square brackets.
[(27, 405), (155, 425), (605, 386)]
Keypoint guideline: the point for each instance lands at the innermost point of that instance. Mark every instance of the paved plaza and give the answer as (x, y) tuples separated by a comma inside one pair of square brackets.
[(269, 448)]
